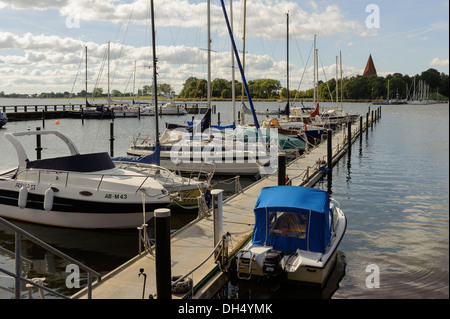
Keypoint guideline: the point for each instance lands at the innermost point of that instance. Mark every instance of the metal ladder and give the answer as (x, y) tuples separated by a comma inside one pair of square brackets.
[(239, 274)]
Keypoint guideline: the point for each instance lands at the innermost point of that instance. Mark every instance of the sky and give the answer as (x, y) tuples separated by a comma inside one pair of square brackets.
[(42, 42)]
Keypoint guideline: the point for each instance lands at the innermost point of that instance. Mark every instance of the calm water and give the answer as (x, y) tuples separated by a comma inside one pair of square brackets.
[(394, 189)]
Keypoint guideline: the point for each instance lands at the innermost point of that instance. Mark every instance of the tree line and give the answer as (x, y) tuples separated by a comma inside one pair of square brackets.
[(147, 90), (354, 88)]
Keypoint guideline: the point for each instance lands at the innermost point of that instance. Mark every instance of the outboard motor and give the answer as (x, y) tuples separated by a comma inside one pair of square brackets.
[(273, 263)]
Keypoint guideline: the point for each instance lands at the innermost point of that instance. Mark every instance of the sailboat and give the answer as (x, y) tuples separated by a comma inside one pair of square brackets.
[(200, 148), (98, 111), (185, 192), (298, 125)]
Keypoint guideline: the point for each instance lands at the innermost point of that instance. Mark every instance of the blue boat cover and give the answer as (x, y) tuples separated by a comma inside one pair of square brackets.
[(292, 217), (153, 158)]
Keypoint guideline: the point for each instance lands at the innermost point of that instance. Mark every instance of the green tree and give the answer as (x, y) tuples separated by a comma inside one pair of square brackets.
[(165, 89), (218, 85), (377, 87)]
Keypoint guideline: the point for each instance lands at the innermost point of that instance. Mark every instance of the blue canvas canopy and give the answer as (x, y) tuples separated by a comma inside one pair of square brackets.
[(153, 158), (292, 217)]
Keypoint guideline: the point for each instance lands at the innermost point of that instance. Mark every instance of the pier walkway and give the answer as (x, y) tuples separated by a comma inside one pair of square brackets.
[(194, 243)]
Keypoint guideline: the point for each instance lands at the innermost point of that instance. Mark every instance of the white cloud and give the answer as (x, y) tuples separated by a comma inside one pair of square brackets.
[(439, 62)]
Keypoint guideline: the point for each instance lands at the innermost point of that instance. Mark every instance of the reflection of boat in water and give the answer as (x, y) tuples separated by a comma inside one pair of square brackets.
[(78, 191), (295, 238)]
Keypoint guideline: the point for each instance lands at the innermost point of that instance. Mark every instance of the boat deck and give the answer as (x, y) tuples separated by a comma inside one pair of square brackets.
[(191, 245)]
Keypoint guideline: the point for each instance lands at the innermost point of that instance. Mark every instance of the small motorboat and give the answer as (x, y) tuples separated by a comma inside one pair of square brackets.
[(295, 238), (77, 191)]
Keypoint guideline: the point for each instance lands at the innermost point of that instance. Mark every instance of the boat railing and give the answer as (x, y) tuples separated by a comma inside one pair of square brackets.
[(63, 178), (19, 259), (168, 177)]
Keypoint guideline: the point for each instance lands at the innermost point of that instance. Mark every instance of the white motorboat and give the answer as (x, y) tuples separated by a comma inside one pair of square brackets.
[(296, 236), (169, 108), (77, 191)]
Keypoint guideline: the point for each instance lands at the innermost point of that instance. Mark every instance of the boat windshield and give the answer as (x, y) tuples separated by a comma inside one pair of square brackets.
[(288, 225)]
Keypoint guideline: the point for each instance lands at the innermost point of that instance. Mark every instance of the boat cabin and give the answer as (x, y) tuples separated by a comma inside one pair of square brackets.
[(293, 217)]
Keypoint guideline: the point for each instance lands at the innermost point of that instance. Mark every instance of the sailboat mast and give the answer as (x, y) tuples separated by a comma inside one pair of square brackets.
[(233, 89), (86, 72), (241, 70), (337, 86), (317, 74), (109, 49), (243, 62), (155, 86), (342, 86), (209, 55), (134, 78), (314, 72), (287, 53)]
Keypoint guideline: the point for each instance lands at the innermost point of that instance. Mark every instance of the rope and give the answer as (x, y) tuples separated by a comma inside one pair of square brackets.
[(201, 264)]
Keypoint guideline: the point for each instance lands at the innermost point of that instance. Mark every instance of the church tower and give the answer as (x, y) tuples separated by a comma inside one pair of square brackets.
[(370, 68)]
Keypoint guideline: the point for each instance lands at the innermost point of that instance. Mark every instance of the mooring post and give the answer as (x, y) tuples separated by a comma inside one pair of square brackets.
[(217, 198), (329, 149), (162, 251), (371, 120), (38, 144), (282, 168), (367, 121), (43, 118), (111, 139), (360, 127)]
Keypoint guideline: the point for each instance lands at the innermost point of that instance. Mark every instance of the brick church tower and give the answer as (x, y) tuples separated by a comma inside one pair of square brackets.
[(370, 68)]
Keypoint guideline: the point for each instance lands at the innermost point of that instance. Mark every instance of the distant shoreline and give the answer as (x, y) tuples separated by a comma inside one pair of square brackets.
[(238, 99)]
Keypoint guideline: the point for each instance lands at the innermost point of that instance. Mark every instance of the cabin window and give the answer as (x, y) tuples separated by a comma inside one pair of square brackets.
[(288, 225)]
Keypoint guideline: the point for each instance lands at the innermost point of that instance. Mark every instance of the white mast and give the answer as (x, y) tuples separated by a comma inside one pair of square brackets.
[(109, 99), (342, 86), (337, 86), (233, 89), (314, 72), (243, 64), (209, 55)]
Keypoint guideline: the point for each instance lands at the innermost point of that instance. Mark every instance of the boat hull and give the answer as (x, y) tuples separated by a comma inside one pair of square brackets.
[(305, 274), (75, 213), (76, 219)]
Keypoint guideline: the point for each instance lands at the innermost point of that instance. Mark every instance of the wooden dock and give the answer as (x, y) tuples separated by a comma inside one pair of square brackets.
[(57, 111), (192, 246)]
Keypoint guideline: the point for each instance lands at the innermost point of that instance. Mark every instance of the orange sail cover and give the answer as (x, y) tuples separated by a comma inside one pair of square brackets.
[(370, 68)]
